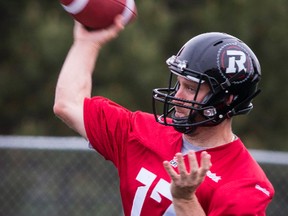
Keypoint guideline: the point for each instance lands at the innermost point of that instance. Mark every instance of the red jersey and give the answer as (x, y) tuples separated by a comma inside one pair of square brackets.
[(137, 145)]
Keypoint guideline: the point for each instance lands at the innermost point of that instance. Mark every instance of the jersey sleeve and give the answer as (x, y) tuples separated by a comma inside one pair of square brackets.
[(244, 198), (107, 125)]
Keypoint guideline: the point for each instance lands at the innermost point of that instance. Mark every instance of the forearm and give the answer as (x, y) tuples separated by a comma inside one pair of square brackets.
[(75, 83), (184, 207), (75, 79)]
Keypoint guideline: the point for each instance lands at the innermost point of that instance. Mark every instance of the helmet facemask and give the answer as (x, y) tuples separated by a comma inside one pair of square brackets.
[(210, 111), (200, 113)]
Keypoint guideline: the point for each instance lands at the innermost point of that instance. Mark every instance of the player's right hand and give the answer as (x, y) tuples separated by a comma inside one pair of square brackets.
[(100, 37)]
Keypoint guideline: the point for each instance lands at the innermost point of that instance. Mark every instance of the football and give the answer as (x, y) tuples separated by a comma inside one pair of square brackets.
[(98, 14)]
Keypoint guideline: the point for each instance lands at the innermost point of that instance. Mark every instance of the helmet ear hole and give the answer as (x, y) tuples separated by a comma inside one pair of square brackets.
[(229, 99)]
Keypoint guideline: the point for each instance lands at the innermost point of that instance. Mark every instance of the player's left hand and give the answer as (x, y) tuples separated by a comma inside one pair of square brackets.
[(184, 184)]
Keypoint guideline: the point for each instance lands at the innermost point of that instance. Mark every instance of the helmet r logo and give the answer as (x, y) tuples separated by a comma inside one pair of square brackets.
[(233, 58), (233, 62)]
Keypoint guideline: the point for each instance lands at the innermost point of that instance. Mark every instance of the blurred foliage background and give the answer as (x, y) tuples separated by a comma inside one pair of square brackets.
[(36, 36)]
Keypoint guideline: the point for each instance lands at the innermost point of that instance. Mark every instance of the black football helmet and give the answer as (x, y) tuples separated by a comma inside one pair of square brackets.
[(226, 64)]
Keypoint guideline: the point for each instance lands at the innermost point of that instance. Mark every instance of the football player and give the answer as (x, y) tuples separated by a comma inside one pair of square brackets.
[(183, 159)]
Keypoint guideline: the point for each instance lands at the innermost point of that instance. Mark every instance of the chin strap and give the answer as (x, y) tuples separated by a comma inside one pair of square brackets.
[(234, 111)]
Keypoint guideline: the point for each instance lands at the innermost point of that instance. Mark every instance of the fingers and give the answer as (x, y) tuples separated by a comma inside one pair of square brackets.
[(171, 172), (205, 160), (193, 162), (195, 172), (119, 22), (101, 36), (181, 165), (113, 30), (186, 181)]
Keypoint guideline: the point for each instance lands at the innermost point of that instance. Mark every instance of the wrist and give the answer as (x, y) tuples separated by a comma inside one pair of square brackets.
[(188, 207), (189, 199), (87, 45), (184, 202)]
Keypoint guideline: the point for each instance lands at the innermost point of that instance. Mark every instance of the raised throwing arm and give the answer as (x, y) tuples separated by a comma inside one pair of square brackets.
[(75, 79)]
